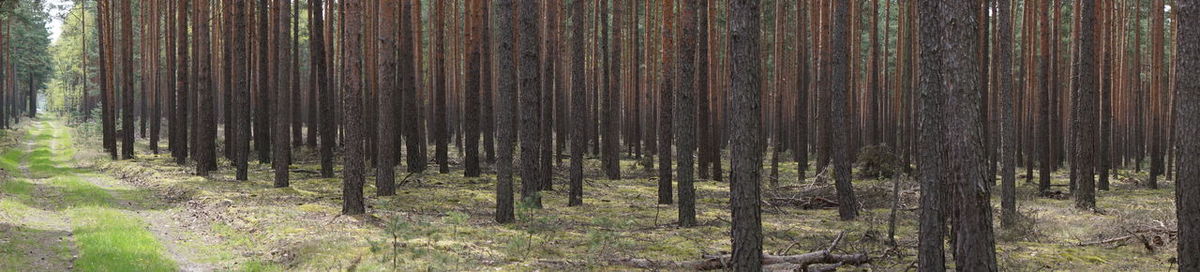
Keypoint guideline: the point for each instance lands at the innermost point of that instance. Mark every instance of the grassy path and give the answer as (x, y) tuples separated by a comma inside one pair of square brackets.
[(56, 217)]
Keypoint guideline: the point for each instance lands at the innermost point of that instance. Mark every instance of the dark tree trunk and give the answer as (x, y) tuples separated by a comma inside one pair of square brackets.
[(1008, 128), (932, 159), (471, 96), (385, 175), (206, 126), (666, 107), (354, 165), (169, 78), (1044, 126), (227, 41), (745, 128), (486, 91), (126, 79), (156, 74), (1156, 93), (578, 105), (546, 106), (703, 58), (506, 89), (612, 108), (414, 135), (975, 245), (1085, 101), (685, 110), (241, 102), (263, 110), (840, 143), (802, 85), (297, 105), (327, 127), (439, 87), (530, 101), (281, 146), (103, 28), (1187, 193)]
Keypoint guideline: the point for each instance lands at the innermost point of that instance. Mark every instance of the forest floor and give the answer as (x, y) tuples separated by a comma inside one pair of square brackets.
[(58, 181)]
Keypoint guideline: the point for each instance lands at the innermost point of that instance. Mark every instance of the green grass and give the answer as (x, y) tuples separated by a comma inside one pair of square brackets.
[(107, 238), (110, 240)]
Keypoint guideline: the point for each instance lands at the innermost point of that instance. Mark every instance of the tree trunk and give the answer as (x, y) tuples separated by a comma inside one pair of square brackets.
[(126, 79), (1187, 83), (745, 130), (506, 90), (1085, 100), (578, 105), (530, 102), (385, 175), (354, 165), (265, 71), (1156, 92), (439, 87), (840, 144), (206, 126), (472, 96), (1008, 128), (281, 146), (667, 101), (169, 79), (241, 102), (155, 73), (488, 85), (612, 108), (414, 135), (932, 160), (106, 92), (685, 119), (975, 246), (802, 85)]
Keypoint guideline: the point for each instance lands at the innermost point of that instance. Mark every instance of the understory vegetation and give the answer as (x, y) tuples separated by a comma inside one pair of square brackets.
[(442, 222)]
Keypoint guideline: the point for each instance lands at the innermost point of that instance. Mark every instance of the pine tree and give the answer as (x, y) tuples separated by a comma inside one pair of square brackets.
[(354, 165), (183, 89), (506, 90), (104, 9), (241, 100), (440, 126), (385, 175), (685, 120), (746, 146), (1086, 112), (127, 107), (840, 65), (931, 256), (206, 126), (281, 146), (1187, 84), (1008, 128), (530, 97), (472, 95), (578, 105)]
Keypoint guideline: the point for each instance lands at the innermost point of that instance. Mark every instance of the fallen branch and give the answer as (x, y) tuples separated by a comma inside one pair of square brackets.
[(807, 203), (1108, 241), (715, 262), (722, 262)]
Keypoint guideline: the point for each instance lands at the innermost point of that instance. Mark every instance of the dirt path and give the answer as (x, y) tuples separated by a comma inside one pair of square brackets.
[(55, 216)]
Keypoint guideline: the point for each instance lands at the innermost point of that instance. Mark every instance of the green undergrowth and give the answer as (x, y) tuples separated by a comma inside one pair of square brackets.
[(56, 196), (110, 240), (443, 222)]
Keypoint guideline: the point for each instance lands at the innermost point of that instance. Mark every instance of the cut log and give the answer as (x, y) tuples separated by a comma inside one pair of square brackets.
[(722, 261)]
